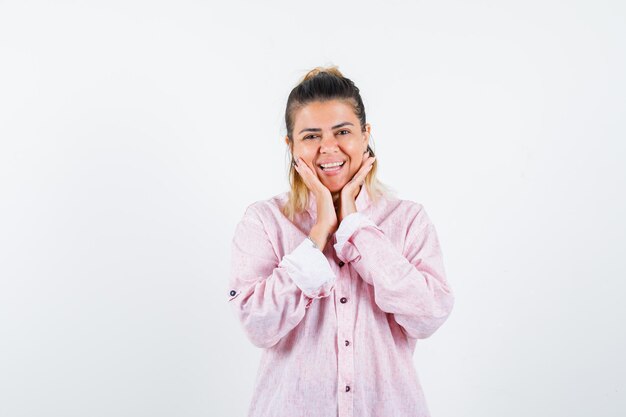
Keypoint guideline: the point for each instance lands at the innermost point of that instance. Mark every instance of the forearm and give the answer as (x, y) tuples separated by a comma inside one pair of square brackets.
[(410, 283)]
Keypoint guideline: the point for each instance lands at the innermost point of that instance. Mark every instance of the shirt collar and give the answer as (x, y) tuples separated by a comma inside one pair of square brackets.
[(362, 201)]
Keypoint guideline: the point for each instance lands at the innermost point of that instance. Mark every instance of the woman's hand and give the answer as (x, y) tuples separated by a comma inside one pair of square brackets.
[(349, 192), (326, 222)]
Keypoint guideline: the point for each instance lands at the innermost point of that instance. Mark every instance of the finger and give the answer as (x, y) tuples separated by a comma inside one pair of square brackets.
[(367, 165), (359, 178), (308, 175), (301, 168), (305, 169)]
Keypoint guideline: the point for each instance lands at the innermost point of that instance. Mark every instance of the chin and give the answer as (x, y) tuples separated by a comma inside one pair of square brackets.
[(334, 188)]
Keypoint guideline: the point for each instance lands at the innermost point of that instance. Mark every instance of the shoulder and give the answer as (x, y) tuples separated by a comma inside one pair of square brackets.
[(268, 208), (410, 211), (391, 202)]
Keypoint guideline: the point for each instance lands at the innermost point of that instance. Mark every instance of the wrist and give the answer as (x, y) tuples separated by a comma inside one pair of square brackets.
[(319, 236)]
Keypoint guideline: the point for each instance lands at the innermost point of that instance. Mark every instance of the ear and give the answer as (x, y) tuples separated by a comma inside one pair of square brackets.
[(366, 134)]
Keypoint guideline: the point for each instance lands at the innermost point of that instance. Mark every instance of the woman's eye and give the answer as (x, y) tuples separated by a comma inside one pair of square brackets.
[(313, 136)]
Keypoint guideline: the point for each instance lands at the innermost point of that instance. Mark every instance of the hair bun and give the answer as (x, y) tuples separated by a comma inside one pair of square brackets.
[(333, 70)]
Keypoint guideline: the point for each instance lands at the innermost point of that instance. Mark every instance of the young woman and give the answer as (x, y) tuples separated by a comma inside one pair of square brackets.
[(337, 278)]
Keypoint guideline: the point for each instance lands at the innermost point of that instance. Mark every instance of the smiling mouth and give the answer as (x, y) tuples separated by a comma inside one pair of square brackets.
[(333, 168)]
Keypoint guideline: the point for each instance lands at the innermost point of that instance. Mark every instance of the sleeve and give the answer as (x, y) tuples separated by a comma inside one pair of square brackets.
[(269, 296), (409, 283)]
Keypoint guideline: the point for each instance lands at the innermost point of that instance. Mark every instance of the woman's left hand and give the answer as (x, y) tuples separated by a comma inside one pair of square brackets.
[(350, 191)]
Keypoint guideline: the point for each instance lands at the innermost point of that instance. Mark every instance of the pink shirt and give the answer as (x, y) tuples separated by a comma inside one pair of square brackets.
[(338, 328)]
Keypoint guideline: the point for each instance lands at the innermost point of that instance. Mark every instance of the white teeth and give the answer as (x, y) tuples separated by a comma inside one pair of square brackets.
[(333, 164)]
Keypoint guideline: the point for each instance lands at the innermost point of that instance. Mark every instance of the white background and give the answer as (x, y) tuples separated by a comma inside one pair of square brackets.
[(133, 134)]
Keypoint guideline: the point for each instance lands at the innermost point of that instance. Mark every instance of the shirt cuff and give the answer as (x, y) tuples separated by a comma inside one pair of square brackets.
[(344, 249), (309, 269)]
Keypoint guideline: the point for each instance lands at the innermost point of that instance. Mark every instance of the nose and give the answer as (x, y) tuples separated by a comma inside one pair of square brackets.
[(328, 143)]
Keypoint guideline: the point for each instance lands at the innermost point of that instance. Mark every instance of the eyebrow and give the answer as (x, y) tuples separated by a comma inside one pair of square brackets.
[(312, 129)]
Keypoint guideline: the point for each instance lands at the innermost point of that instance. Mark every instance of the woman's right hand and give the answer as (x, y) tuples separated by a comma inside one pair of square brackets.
[(326, 223)]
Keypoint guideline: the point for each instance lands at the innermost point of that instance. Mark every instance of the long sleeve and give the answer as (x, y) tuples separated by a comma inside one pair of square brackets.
[(268, 295), (409, 283)]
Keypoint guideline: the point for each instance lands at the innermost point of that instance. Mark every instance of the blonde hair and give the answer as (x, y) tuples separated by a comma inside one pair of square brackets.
[(322, 84)]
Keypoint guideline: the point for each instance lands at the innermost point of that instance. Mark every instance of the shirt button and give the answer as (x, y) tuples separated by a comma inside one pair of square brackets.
[(343, 300), (232, 292), (347, 388), (341, 263), (347, 343)]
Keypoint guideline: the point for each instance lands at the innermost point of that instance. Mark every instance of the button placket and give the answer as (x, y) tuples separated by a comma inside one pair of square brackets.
[(345, 328)]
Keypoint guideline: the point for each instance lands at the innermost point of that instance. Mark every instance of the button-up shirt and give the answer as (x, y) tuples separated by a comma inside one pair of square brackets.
[(338, 326)]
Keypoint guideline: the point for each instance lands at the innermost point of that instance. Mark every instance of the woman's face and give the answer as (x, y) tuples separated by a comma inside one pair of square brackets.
[(330, 132)]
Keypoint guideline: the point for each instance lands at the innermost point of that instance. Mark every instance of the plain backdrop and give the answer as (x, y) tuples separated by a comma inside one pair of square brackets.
[(133, 134)]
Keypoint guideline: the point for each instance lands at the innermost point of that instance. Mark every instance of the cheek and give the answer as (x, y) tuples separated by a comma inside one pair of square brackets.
[(354, 167), (356, 158), (355, 150), (304, 153)]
